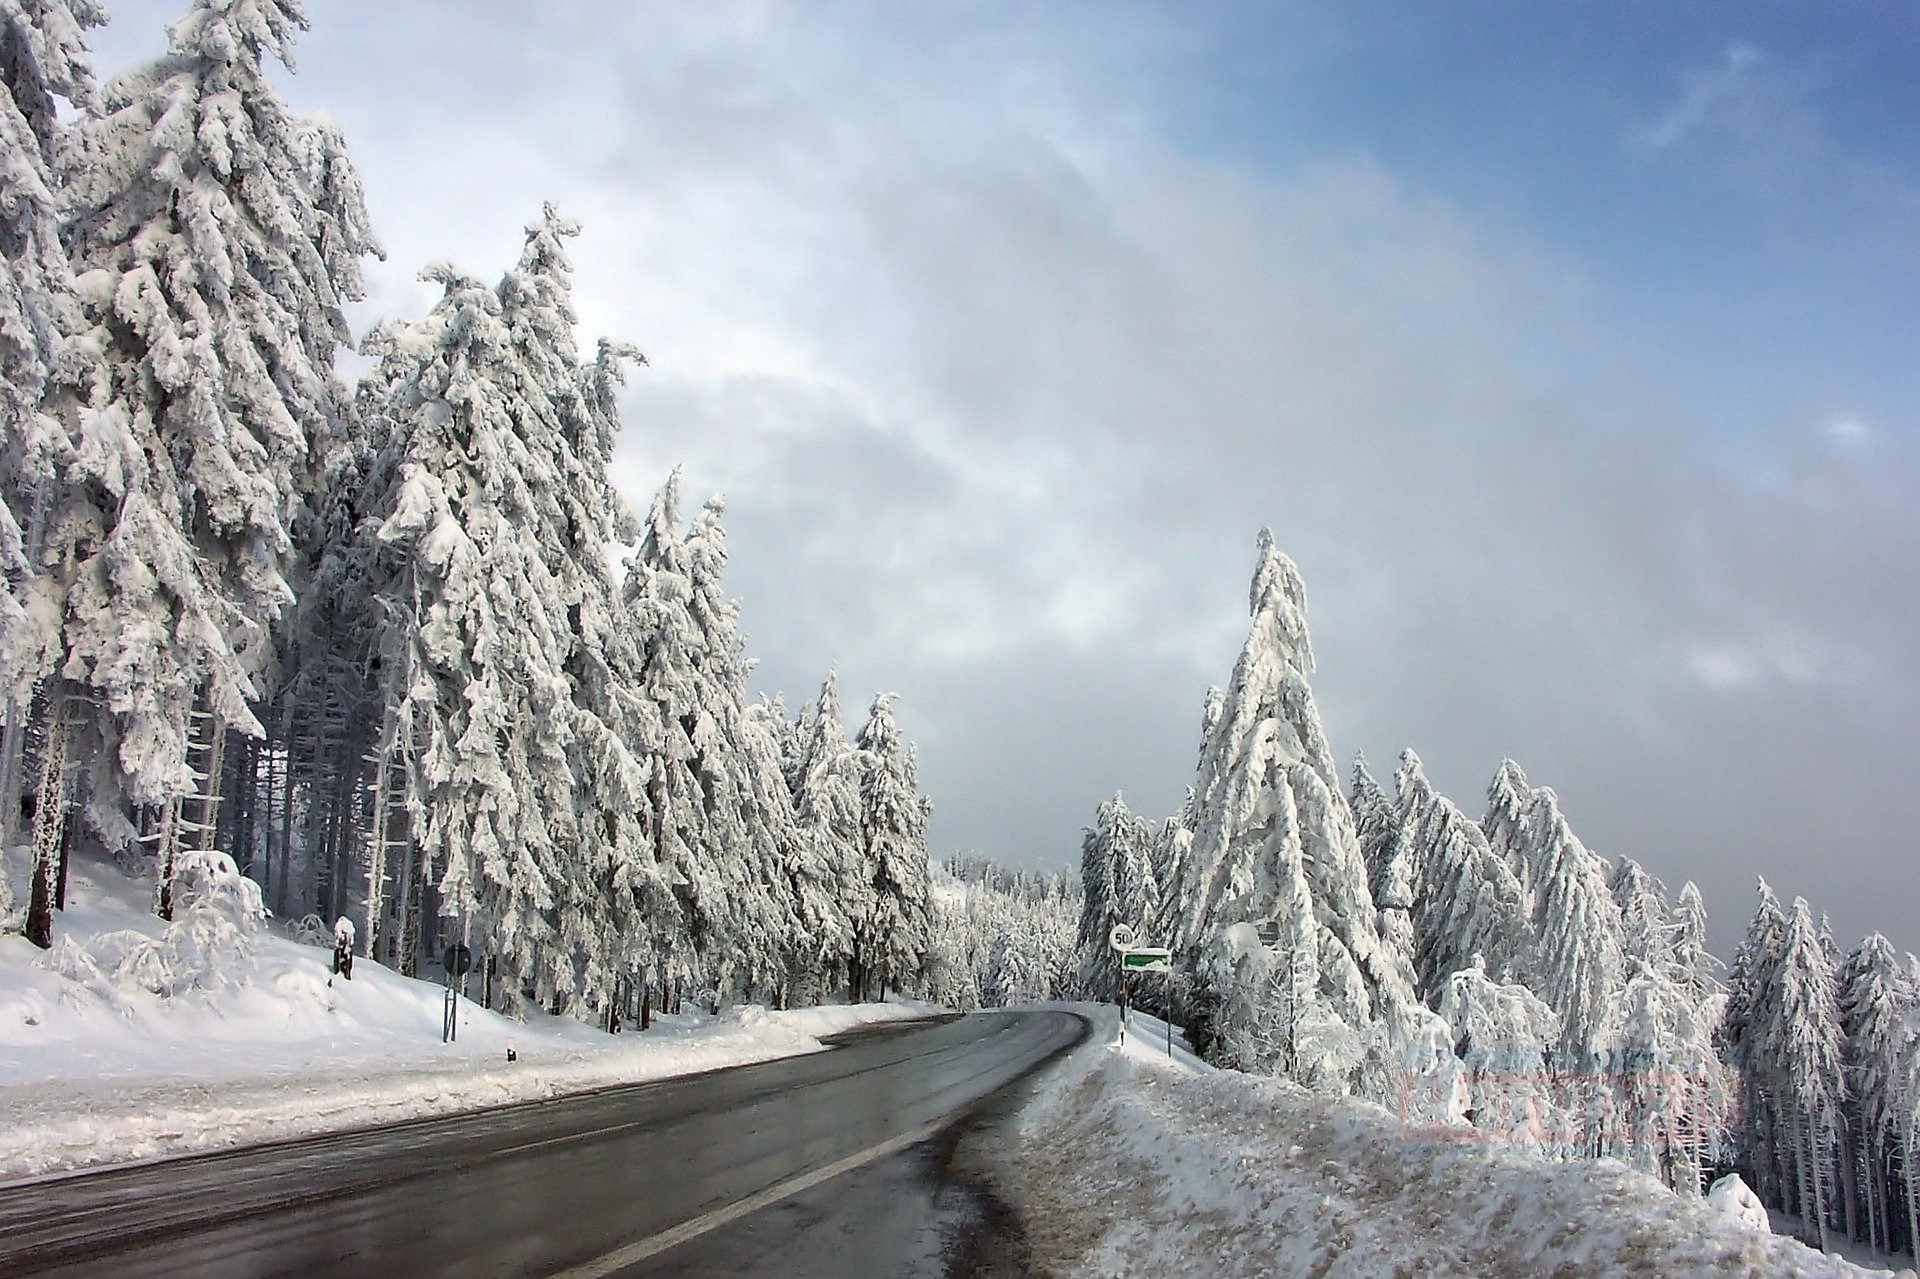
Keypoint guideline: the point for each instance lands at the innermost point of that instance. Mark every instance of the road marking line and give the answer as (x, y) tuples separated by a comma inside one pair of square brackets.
[(634, 1253)]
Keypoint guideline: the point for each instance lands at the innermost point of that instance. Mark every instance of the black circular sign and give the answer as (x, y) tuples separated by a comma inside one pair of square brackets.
[(457, 959)]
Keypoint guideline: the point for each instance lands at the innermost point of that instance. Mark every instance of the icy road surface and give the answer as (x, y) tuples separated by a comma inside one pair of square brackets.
[(593, 1185)]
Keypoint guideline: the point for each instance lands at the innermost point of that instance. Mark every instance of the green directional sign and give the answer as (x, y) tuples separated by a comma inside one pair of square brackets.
[(1147, 959)]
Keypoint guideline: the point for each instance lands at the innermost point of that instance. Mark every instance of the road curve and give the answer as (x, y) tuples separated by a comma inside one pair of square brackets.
[(583, 1186)]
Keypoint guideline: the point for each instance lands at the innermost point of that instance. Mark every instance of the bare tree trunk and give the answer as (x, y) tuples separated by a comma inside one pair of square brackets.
[(50, 813), (340, 842), (166, 822), (410, 919), (1816, 1165), (1907, 1176), (66, 858), (13, 738), (1845, 1151), (377, 852), (13, 748), (284, 902)]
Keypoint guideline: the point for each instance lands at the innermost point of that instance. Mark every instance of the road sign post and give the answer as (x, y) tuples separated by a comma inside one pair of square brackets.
[(1135, 958), (457, 960)]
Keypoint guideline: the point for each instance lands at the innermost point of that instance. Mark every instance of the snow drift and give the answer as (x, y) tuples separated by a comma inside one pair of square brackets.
[(1125, 1163)]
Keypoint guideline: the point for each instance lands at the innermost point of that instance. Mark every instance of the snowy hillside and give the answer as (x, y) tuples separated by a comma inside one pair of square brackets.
[(103, 1072), (1129, 1163)]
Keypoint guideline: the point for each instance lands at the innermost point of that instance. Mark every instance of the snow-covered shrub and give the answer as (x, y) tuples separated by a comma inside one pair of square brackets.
[(308, 930), (217, 918), (208, 946)]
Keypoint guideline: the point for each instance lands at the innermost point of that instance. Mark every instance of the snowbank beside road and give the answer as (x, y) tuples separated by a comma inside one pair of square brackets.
[(1125, 1163), (92, 1076)]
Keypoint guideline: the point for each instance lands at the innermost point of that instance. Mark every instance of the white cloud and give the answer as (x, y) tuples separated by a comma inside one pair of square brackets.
[(1848, 434), (1710, 91)]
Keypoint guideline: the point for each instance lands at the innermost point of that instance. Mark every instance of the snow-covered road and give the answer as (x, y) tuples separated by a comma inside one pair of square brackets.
[(589, 1185)]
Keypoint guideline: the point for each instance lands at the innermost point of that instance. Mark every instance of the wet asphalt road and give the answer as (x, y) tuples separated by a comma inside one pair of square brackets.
[(589, 1187)]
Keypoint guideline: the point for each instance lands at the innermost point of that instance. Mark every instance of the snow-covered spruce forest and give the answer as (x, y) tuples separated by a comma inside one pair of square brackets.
[(363, 652), (1497, 979)]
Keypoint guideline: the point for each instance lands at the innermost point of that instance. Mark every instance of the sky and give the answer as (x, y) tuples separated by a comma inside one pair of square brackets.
[(1572, 352)]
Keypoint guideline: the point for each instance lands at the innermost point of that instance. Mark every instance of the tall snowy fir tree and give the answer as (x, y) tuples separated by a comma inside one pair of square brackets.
[(1117, 879), (1695, 963), (1509, 828), (891, 939), (1383, 847), (1906, 1099), (1579, 964), (824, 777), (1806, 1037), (1502, 1034), (43, 59), (1274, 850), (1875, 1005), (474, 647), (658, 597), (213, 279), (750, 832), (570, 416), (817, 936), (1675, 1095), (1747, 1034), (1467, 900)]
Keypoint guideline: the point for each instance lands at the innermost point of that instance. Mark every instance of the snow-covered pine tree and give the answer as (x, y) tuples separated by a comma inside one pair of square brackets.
[(1703, 1128), (1875, 1003), (824, 777), (1695, 962), (676, 817), (1508, 826), (1267, 793), (1383, 847), (571, 414), (1906, 1098), (1117, 880), (1171, 844), (1807, 1039), (471, 651), (1579, 959), (1097, 915), (749, 811), (1674, 1093), (43, 59), (214, 275), (950, 977), (1747, 1038), (1502, 1034), (1136, 891), (819, 937), (1646, 934), (892, 937), (1467, 901)]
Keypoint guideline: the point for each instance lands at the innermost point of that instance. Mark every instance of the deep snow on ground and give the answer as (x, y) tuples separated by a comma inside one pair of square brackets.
[(92, 1076), (1126, 1163), (1852, 1249)]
